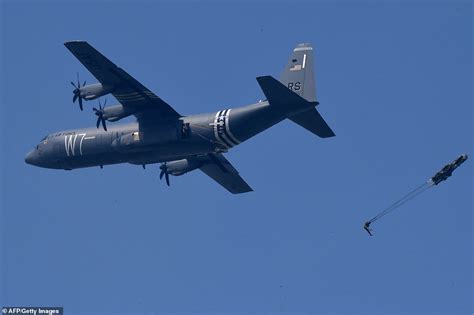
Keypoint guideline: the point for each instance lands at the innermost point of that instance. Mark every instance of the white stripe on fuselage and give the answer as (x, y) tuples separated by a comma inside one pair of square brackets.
[(221, 121), (233, 138), (216, 133)]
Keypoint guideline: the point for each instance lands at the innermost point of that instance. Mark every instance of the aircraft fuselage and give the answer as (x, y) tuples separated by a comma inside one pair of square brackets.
[(166, 141)]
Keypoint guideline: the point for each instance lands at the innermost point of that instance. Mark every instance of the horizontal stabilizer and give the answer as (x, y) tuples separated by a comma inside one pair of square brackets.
[(219, 169), (296, 108), (312, 121), (280, 96)]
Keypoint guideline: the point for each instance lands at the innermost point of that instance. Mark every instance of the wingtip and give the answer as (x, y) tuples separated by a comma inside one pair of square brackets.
[(69, 42), (303, 46), (238, 192), (327, 133), (330, 133), (263, 77)]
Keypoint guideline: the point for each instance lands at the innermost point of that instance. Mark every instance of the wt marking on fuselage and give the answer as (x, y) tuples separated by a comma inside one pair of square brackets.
[(70, 143)]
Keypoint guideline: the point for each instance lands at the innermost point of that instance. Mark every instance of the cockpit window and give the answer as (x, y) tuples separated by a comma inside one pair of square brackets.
[(44, 138)]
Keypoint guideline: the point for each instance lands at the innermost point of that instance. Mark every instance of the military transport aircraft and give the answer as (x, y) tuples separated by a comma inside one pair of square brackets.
[(161, 135)]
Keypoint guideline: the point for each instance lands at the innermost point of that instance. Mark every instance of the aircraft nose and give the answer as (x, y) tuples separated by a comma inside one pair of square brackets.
[(31, 157)]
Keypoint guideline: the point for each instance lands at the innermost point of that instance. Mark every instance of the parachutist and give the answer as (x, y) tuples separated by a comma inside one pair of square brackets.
[(367, 227), (448, 170)]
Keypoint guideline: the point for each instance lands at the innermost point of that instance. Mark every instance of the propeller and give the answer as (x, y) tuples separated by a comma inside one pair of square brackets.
[(77, 91), (164, 171), (100, 115)]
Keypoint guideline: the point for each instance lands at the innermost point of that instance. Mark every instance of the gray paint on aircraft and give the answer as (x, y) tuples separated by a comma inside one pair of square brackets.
[(161, 135)]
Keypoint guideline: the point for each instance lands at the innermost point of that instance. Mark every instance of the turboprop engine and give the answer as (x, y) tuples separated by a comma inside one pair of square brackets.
[(111, 113), (177, 168), (180, 167), (89, 92)]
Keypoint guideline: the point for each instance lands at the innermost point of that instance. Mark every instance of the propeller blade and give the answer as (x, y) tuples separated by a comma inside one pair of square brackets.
[(84, 84), (103, 123), (164, 172), (77, 91), (98, 122)]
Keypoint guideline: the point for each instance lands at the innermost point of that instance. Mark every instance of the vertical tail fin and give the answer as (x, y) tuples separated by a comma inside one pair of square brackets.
[(299, 103), (298, 75)]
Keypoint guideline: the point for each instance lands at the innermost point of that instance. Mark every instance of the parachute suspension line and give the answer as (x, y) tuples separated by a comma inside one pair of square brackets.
[(411, 195), (396, 203), (414, 193)]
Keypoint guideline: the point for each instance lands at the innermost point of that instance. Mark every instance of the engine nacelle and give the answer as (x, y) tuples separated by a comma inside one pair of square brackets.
[(93, 91), (180, 167), (116, 112)]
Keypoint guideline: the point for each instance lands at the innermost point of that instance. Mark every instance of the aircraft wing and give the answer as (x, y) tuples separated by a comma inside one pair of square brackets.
[(128, 91), (219, 169)]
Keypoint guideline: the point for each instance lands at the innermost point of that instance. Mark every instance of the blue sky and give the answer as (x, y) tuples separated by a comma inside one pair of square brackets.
[(394, 81)]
